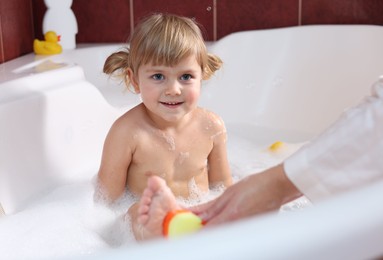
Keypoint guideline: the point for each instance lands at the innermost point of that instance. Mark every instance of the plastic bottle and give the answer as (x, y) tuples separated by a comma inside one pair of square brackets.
[(60, 18)]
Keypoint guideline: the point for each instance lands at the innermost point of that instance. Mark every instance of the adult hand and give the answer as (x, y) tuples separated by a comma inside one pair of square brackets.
[(255, 194)]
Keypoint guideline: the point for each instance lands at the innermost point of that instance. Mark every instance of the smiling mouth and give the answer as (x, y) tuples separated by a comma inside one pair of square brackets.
[(171, 104)]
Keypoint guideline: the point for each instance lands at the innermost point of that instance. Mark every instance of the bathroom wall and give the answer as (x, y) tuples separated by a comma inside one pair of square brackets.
[(16, 28), (113, 20)]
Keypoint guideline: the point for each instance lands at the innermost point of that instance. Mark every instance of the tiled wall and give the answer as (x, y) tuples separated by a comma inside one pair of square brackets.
[(16, 28), (113, 20)]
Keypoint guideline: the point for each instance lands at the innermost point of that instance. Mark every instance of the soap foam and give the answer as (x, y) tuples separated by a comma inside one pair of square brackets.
[(67, 222)]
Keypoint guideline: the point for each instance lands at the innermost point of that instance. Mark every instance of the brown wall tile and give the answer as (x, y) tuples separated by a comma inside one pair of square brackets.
[(110, 21), (2, 58), (16, 28), (97, 20), (102, 21), (201, 10), (39, 10), (234, 16), (342, 12)]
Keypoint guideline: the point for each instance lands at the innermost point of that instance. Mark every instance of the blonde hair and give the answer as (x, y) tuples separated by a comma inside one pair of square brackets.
[(162, 39)]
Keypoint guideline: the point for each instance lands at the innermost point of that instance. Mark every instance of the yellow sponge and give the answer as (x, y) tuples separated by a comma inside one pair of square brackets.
[(181, 222)]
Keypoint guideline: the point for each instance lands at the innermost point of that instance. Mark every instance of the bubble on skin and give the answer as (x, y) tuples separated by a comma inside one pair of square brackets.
[(194, 191), (206, 163), (169, 139), (196, 195), (217, 187), (182, 157), (219, 121), (199, 197), (101, 197), (217, 134)]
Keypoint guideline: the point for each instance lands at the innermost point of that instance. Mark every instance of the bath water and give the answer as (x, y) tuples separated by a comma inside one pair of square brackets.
[(66, 222)]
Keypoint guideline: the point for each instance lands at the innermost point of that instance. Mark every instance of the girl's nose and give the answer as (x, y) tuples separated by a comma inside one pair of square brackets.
[(173, 89)]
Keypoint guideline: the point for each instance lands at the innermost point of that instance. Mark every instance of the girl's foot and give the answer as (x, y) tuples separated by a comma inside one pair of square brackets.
[(156, 201)]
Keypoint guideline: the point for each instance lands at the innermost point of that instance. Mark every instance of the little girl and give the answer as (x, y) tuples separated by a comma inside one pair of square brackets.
[(166, 136)]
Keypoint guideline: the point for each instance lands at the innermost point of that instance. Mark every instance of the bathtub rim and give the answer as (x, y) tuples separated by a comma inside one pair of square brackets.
[(9, 67)]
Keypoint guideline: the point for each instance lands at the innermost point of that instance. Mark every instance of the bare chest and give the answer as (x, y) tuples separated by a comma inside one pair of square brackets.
[(177, 159), (173, 154)]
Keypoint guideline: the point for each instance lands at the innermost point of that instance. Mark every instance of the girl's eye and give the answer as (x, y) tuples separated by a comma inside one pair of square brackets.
[(158, 76), (186, 77)]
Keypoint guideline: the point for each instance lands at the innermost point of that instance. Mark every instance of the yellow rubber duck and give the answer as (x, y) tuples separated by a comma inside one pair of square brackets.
[(49, 46), (276, 146)]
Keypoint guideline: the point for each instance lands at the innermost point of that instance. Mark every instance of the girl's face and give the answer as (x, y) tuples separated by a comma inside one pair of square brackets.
[(169, 93)]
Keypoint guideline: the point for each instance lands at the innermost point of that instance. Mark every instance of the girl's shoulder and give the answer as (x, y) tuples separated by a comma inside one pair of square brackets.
[(209, 118), (129, 120)]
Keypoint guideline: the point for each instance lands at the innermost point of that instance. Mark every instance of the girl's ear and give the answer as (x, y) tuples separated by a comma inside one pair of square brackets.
[(133, 80)]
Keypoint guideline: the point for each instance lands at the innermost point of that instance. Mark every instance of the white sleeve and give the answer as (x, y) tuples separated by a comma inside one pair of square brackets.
[(347, 155)]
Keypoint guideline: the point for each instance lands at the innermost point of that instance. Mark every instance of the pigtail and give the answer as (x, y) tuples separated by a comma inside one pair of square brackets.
[(116, 65), (214, 63)]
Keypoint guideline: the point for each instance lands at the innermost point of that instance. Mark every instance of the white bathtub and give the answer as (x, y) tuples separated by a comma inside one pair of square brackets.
[(282, 84)]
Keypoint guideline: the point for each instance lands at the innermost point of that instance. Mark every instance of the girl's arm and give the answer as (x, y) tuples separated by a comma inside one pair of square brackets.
[(116, 157), (219, 169)]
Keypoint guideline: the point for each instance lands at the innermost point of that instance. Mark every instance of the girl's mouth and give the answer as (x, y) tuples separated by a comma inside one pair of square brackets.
[(171, 104)]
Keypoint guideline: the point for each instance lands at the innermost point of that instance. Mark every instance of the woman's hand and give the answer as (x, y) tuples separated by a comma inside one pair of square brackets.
[(255, 194)]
